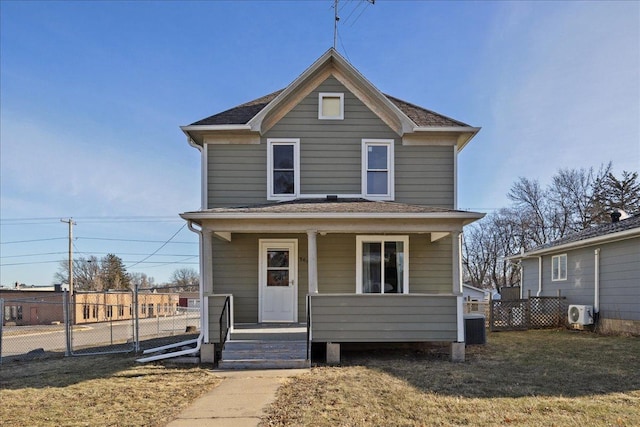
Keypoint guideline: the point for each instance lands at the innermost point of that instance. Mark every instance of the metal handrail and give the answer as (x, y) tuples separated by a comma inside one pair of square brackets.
[(225, 331)]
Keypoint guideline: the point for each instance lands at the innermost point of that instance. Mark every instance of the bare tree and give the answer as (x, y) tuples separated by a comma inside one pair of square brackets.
[(86, 273), (185, 280)]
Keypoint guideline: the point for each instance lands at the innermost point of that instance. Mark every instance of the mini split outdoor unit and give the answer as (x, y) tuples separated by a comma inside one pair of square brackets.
[(581, 314)]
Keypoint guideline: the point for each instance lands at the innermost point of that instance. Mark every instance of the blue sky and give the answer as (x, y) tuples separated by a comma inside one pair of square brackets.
[(92, 95)]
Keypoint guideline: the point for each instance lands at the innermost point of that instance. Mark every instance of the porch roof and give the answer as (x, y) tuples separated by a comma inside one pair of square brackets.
[(333, 215), (331, 208)]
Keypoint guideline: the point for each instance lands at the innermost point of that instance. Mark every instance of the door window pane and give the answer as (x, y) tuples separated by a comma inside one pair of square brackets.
[(278, 278), (278, 259)]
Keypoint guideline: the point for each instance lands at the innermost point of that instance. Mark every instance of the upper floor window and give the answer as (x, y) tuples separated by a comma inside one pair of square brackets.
[(559, 267), (283, 169), (330, 106), (377, 169)]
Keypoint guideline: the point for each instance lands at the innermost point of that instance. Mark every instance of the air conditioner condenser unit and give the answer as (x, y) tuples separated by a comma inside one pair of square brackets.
[(581, 314)]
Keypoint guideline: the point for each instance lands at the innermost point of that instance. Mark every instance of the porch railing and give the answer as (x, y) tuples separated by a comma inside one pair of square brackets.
[(383, 318), (225, 321)]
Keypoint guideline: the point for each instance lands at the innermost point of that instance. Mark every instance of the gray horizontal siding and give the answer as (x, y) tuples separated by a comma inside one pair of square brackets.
[(337, 263), (235, 271), (236, 174), (330, 158), (529, 276), (619, 278), (216, 305), (424, 175), (383, 318), (330, 150), (430, 264)]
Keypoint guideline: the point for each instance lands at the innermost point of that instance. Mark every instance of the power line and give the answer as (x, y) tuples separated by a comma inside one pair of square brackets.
[(162, 246), (134, 240), (34, 240)]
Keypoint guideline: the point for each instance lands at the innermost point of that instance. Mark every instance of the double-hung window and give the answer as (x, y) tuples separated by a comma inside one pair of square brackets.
[(283, 169), (377, 169), (382, 264), (559, 267)]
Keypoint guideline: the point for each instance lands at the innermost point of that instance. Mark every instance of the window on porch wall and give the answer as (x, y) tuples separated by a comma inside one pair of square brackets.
[(383, 267)]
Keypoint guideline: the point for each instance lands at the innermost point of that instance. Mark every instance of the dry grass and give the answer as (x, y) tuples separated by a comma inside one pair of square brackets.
[(97, 391), (534, 378)]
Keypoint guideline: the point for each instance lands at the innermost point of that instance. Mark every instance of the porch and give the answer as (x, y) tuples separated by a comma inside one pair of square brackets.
[(333, 319)]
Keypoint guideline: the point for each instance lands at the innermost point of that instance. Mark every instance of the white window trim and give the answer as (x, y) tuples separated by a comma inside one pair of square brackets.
[(389, 143), (296, 165), (566, 265), (321, 97), (381, 239)]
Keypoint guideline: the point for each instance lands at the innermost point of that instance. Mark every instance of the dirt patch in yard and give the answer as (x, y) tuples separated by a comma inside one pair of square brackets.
[(529, 378)]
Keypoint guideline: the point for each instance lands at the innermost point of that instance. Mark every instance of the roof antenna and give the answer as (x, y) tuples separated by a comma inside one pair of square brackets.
[(335, 23)]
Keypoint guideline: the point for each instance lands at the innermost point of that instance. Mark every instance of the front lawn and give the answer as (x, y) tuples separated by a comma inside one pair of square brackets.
[(533, 378)]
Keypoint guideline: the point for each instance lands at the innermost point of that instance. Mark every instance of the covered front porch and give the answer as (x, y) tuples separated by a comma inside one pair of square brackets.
[(355, 271)]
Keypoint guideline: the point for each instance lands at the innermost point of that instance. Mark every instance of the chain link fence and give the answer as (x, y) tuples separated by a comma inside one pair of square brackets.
[(95, 322)]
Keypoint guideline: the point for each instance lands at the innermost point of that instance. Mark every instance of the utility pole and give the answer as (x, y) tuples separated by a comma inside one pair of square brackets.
[(71, 224)]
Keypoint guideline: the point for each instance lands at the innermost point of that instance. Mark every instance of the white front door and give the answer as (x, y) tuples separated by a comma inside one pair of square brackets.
[(278, 280)]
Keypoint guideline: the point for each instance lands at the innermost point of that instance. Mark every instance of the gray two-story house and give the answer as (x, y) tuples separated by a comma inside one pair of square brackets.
[(332, 204)]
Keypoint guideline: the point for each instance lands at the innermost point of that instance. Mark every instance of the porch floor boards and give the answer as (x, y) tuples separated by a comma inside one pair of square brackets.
[(266, 346)]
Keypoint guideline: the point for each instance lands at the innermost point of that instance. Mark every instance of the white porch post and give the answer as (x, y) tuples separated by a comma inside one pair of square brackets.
[(207, 264), (456, 240), (456, 244), (312, 254)]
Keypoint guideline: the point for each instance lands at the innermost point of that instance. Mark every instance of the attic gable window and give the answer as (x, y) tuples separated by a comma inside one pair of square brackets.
[(283, 169), (330, 106), (377, 169)]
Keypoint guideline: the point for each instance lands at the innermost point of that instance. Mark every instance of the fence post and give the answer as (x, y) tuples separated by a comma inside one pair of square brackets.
[(490, 311), (67, 328), (1, 325), (136, 320), (560, 311)]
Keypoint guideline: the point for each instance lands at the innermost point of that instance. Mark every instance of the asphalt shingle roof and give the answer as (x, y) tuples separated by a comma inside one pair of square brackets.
[(601, 230), (346, 205), (242, 113)]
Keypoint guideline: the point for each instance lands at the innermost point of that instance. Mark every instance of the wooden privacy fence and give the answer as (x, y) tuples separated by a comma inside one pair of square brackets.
[(529, 313)]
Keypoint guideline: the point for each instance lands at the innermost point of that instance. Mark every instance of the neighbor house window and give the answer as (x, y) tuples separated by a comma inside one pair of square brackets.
[(377, 169), (382, 264), (283, 169), (559, 267), (330, 106)]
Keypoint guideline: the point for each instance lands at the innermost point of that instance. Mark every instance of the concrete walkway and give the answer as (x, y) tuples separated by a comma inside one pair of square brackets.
[(238, 401)]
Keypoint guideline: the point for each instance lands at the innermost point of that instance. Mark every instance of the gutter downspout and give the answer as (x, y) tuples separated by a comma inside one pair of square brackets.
[(539, 277), (596, 279), (204, 309)]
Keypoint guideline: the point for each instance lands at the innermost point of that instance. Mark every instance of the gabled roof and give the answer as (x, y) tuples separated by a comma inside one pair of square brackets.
[(259, 115), (241, 114), (607, 232)]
